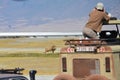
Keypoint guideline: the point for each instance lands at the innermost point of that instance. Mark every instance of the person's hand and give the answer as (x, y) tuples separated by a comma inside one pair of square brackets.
[(109, 14)]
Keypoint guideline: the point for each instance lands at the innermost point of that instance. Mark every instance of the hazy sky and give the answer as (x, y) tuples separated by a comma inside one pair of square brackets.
[(50, 15)]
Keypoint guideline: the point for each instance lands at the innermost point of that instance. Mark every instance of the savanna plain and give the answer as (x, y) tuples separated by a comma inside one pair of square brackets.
[(29, 53)]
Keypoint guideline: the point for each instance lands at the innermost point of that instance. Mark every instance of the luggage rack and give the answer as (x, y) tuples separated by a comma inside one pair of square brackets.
[(92, 42), (92, 45), (11, 71)]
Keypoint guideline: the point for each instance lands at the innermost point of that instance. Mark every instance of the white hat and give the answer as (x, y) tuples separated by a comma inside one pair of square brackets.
[(100, 6)]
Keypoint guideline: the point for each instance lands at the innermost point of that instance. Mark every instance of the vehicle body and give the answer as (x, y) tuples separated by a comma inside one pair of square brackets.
[(12, 77), (15, 74), (81, 65), (91, 57)]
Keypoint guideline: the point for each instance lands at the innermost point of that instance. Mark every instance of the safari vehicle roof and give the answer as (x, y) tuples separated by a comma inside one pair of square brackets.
[(113, 21)]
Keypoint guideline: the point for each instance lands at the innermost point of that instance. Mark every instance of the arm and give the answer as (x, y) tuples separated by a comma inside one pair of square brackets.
[(106, 17)]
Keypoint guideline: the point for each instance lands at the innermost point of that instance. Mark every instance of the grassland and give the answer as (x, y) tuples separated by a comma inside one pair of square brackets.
[(30, 42), (12, 54), (43, 65), (26, 53)]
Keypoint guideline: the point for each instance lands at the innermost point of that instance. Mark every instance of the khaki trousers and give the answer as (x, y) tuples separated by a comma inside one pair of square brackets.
[(89, 33)]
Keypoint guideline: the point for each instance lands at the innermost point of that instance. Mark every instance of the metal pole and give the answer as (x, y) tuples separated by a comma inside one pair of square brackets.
[(118, 30)]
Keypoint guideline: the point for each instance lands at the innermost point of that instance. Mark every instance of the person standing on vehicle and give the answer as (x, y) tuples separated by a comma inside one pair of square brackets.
[(95, 22)]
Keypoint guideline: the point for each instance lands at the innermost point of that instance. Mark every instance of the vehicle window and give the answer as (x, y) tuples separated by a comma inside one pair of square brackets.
[(85, 67)]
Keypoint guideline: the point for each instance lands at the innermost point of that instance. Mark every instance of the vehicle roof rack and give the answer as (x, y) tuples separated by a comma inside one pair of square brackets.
[(93, 42)]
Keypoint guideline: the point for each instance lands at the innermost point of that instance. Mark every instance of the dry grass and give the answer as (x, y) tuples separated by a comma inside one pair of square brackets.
[(36, 60), (30, 42), (43, 65)]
